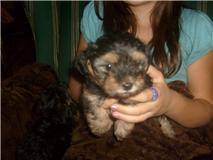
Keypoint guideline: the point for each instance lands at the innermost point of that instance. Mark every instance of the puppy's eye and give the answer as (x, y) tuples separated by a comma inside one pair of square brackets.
[(140, 67), (108, 67)]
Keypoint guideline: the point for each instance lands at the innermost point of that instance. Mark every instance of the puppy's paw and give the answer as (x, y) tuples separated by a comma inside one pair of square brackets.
[(122, 129), (99, 126), (166, 127)]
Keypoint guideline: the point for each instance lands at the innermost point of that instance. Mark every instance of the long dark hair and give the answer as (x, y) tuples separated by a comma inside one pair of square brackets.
[(118, 17)]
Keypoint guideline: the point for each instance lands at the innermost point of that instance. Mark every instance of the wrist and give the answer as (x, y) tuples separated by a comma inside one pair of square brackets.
[(170, 106)]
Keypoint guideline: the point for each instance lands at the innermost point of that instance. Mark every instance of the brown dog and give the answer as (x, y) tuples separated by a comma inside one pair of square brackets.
[(115, 66)]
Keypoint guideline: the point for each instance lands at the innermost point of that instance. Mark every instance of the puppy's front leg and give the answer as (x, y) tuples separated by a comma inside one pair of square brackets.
[(99, 121), (98, 118), (122, 129)]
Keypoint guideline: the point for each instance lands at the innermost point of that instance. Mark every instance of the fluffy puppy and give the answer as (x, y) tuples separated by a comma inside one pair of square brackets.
[(115, 66)]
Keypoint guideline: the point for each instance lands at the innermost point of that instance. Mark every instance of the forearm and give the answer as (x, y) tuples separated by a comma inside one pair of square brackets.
[(74, 89), (75, 85), (189, 112)]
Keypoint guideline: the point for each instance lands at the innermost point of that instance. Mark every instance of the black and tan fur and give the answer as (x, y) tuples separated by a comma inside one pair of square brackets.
[(115, 66)]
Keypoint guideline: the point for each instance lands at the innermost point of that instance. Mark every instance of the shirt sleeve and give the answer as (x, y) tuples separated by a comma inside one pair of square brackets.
[(90, 24), (202, 37)]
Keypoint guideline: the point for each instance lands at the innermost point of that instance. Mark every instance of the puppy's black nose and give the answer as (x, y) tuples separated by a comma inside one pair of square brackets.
[(127, 86)]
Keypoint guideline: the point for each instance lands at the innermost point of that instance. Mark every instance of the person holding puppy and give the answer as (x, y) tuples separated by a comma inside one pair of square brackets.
[(182, 49)]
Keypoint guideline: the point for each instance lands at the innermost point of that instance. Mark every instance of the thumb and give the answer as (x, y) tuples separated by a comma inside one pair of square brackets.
[(156, 75)]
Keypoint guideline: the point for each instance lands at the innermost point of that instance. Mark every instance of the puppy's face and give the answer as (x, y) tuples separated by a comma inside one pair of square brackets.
[(119, 74), (118, 66)]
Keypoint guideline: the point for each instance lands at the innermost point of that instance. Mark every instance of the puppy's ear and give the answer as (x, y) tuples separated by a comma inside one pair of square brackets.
[(148, 52), (80, 64), (89, 68)]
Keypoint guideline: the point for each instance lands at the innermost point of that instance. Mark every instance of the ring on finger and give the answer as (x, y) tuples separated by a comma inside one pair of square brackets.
[(155, 93)]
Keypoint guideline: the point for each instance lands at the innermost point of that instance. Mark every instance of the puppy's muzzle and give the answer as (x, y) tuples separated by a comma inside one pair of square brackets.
[(127, 86)]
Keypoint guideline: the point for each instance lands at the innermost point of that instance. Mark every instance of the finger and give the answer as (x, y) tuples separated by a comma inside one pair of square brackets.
[(109, 102), (135, 110), (130, 118), (144, 96), (156, 75)]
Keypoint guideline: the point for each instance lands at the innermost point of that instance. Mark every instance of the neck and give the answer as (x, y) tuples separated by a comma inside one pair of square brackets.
[(143, 12)]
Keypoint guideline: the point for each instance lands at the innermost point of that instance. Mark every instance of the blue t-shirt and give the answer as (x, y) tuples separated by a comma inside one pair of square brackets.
[(196, 36)]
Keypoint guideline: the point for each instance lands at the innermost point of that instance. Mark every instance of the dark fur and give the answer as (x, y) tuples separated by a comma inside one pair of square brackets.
[(50, 134), (122, 45), (114, 66)]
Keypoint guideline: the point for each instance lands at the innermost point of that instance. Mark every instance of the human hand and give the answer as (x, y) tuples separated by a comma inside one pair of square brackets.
[(147, 107), (109, 102)]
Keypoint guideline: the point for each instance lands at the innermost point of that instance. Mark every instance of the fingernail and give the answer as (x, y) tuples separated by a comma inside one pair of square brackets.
[(114, 108)]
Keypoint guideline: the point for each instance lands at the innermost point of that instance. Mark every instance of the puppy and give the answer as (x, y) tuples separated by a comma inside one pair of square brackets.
[(115, 66)]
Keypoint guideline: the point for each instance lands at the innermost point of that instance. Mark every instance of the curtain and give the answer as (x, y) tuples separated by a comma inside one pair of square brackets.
[(55, 25)]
